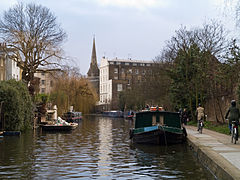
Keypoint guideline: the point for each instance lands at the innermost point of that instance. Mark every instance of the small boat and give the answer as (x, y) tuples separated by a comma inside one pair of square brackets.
[(158, 127), (11, 133), (129, 115), (72, 116), (60, 125), (55, 127), (115, 114)]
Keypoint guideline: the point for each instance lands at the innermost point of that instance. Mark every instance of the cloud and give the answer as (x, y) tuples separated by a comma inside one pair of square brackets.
[(136, 4)]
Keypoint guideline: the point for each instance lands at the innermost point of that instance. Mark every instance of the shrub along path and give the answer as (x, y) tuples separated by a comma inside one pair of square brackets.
[(215, 151)]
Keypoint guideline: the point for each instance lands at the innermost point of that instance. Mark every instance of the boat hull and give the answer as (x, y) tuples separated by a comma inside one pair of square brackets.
[(59, 127), (158, 136)]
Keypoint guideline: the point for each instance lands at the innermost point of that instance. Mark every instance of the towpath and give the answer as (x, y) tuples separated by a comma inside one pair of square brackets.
[(216, 152)]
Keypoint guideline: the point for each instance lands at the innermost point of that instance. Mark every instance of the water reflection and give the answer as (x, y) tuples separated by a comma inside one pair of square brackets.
[(105, 146), (98, 149)]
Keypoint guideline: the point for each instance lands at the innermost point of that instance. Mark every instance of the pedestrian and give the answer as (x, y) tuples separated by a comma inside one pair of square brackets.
[(200, 114), (184, 116), (234, 115)]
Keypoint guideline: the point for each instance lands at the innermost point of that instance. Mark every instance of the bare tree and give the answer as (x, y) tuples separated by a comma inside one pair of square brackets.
[(34, 36)]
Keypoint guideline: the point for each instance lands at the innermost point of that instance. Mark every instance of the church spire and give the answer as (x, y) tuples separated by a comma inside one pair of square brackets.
[(94, 56), (93, 70)]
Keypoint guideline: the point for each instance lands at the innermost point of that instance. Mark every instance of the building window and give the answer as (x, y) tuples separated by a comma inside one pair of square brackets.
[(43, 90), (115, 77), (130, 70), (134, 64), (118, 63), (119, 87), (148, 64), (111, 62), (115, 70), (127, 64), (43, 82), (129, 81), (43, 74), (122, 70), (136, 71)]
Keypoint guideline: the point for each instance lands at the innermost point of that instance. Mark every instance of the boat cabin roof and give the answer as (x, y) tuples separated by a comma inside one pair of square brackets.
[(152, 118)]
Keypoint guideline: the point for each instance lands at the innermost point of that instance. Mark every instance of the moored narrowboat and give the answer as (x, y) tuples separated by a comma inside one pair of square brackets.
[(72, 116), (158, 127), (114, 114)]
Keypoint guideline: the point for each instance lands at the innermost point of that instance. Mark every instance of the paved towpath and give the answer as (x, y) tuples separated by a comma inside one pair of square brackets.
[(219, 149)]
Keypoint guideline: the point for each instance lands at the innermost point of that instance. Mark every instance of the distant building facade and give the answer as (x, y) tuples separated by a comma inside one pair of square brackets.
[(93, 72), (2, 66), (44, 81), (117, 75), (8, 66)]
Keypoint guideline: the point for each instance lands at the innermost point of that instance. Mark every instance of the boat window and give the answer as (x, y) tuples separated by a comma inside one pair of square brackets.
[(154, 120), (161, 122)]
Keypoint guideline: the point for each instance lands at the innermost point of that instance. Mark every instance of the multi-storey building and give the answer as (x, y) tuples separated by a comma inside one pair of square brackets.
[(2, 67), (117, 75), (45, 80), (8, 66), (12, 70)]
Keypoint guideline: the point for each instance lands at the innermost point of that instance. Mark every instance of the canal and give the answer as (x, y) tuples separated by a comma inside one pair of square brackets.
[(98, 149)]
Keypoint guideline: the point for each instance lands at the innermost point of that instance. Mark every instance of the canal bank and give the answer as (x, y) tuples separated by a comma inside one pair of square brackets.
[(216, 152)]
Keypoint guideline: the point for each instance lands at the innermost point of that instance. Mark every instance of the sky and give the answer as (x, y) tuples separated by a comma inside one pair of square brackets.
[(136, 29)]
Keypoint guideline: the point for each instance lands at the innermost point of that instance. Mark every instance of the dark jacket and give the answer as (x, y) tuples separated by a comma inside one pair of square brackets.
[(233, 113)]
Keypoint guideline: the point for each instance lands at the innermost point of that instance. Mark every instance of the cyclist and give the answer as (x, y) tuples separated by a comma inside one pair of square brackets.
[(200, 114), (234, 115)]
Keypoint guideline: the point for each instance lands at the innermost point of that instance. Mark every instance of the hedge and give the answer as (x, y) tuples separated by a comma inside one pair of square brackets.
[(17, 106)]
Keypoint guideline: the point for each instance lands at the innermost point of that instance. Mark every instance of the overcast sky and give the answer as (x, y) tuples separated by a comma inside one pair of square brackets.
[(124, 28)]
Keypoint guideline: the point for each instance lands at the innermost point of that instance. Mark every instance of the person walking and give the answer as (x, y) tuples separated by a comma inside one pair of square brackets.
[(234, 115), (200, 114), (184, 116)]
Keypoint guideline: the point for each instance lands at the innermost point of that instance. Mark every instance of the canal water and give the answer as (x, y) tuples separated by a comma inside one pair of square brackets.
[(98, 149)]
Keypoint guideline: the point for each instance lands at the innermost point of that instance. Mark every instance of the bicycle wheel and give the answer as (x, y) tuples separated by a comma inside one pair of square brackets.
[(232, 135)]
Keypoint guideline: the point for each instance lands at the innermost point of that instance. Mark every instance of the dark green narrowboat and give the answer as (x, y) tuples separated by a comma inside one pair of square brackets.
[(158, 127)]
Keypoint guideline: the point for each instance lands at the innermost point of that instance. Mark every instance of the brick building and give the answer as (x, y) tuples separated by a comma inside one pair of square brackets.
[(117, 75)]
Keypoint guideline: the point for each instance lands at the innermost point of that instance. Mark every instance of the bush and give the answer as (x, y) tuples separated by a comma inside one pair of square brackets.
[(17, 106)]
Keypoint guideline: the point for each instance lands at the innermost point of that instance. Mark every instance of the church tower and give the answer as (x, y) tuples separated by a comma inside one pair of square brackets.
[(93, 72)]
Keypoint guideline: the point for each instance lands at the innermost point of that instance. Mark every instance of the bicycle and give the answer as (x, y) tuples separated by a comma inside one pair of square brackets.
[(234, 132), (200, 126)]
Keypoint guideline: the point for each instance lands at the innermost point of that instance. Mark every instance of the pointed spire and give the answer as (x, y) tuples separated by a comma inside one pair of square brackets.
[(93, 70), (94, 56)]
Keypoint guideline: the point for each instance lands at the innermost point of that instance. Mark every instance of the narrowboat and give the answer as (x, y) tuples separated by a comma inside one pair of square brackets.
[(72, 116), (114, 114), (158, 127)]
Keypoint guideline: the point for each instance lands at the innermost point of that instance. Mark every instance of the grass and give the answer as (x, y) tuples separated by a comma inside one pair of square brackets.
[(221, 128)]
